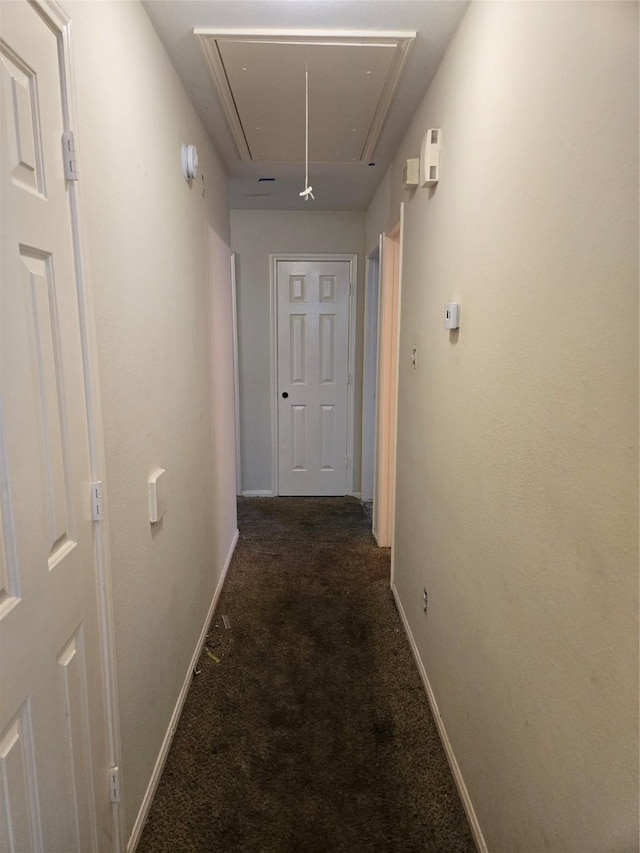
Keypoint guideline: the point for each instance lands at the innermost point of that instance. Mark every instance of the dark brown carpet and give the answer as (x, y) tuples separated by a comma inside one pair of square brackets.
[(313, 731)]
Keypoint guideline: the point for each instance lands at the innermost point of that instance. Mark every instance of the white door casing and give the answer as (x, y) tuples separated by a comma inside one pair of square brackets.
[(387, 390), (313, 413), (399, 236), (54, 744), (236, 369), (369, 379)]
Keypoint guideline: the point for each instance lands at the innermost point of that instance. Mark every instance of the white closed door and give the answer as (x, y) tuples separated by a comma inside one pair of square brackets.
[(53, 748), (313, 376)]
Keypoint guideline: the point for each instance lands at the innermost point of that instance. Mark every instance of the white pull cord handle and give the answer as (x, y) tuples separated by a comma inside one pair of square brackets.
[(307, 192)]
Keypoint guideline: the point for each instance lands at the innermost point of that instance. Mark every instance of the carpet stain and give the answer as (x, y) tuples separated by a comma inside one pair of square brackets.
[(383, 726), (311, 731)]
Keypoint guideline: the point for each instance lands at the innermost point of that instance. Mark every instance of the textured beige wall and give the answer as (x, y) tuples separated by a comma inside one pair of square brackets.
[(517, 497), (159, 259), (255, 234)]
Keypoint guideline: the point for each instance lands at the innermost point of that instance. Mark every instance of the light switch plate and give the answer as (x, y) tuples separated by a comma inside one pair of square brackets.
[(157, 495)]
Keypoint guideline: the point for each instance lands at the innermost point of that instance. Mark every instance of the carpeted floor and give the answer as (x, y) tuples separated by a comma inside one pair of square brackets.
[(307, 729)]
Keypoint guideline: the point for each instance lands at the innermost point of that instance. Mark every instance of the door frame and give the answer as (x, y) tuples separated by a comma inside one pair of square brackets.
[(370, 374), (236, 368), (60, 23), (387, 399), (274, 259)]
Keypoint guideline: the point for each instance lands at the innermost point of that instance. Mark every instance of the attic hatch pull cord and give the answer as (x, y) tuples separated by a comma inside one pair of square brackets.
[(307, 192)]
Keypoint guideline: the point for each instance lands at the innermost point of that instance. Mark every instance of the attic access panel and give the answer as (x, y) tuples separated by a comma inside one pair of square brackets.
[(261, 82)]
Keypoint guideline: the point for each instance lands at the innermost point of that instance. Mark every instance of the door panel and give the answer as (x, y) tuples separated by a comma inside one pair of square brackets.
[(313, 361), (298, 349), (53, 749), (17, 773)]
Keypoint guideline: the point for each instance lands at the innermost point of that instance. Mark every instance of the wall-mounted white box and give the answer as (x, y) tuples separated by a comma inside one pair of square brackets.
[(452, 315), (157, 495), (430, 157), (411, 174)]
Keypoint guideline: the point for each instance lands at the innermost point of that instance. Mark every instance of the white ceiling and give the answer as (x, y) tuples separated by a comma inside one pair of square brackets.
[(270, 93)]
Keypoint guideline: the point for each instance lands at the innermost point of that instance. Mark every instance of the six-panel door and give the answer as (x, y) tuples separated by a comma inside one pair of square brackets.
[(53, 755), (313, 364)]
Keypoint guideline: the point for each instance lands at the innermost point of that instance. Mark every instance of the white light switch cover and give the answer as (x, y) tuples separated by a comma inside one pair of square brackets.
[(157, 495)]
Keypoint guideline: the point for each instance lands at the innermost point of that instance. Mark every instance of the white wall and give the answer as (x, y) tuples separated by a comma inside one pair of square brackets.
[(159, 266), (255, 234), (517, 503), (383, 214)]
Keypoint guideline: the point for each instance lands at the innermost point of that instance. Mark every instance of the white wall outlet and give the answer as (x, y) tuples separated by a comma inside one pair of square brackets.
[(414, 358)]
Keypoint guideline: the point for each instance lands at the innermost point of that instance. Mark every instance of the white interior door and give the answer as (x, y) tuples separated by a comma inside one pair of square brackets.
[(53, 745), (313, 375)]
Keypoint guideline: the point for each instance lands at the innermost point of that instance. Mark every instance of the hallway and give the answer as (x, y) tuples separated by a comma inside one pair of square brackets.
[(144, 387), (307, 727)]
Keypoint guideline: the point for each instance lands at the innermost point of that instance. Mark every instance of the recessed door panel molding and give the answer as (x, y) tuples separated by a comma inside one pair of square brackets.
[(72, 683), (313, 420), (328, 438), (48, 392), (327, 288), (21, 118), (6, 584), (298, 351), (353, 76), (298, 438), (20, 830), (9, 586), (297, 288), (8, 573), (327, 348)]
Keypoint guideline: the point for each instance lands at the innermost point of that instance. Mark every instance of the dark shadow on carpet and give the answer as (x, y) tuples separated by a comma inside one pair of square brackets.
[(308, 728)]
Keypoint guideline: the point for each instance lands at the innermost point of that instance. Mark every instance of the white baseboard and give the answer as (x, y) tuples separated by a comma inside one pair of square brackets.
[(166, 743), (257, 493), (357, 495), (453, 764)]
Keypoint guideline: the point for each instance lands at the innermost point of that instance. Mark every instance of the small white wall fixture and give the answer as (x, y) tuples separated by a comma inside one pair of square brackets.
[(430, 157), (157, 496), (275, 259), (189, 162)]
